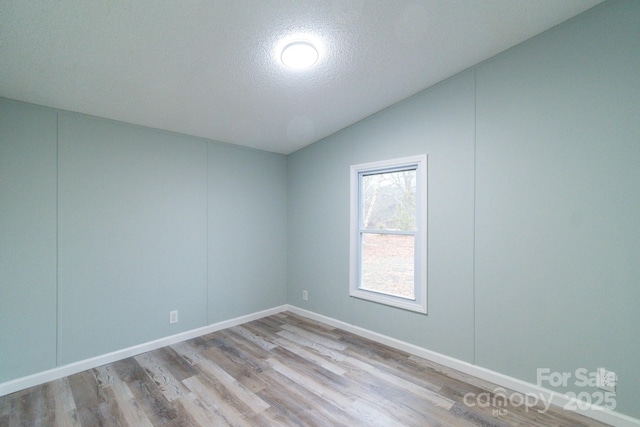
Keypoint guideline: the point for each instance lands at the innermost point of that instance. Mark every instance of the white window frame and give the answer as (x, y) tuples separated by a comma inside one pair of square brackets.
[(419, 303)]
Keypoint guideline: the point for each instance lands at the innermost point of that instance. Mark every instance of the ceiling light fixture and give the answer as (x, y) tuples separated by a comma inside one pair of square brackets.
[(299, 55)]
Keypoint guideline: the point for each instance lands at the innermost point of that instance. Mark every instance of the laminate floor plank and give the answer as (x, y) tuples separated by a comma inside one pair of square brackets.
[(235, 388), (311, 356), (316, 387), (270, 324), (294, 360), (271, 418), (130, 412), (154, 404), (230, 410), (286, 400), (162, 375), (4, 412), (240, 366), (401, 383), (147, 393), (106, 375), (197, 413), (177, 365), (315, 337), (281, 370), (393, 372), (332, 354), (301, 405), (94, 407), (12, 414), (36, 411), (238, 348), (128, 370), (253, 338), (313, 325), (410, 409), (449, 387), (222, 394), (261, 330), (21, 413), (189, 351)]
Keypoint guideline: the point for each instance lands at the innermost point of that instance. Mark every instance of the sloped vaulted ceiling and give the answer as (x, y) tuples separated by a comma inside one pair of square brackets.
[(212, 69)]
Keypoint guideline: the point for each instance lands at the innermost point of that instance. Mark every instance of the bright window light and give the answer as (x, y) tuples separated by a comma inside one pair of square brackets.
[(299, 55)]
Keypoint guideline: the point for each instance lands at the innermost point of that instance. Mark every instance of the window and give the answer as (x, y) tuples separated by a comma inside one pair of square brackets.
[(388, 253)]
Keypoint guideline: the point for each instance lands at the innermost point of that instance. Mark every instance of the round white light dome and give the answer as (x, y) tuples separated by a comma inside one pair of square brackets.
[(299, 55)]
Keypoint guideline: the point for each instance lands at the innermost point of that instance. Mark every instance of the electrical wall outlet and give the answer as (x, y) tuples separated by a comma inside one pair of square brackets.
[(173, 316), (305, 295), (607, 380)]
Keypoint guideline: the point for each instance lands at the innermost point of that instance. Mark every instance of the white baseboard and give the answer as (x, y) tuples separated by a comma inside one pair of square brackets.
[(73, 368), (501, 380)]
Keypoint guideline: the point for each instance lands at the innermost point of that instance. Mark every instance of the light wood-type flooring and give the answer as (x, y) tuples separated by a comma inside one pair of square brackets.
[(282, 370)]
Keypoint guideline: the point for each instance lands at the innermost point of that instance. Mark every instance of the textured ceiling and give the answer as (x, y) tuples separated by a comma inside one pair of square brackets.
[(210, 68)]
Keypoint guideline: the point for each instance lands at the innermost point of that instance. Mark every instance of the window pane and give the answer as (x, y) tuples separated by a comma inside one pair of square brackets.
[(387, 264), (389, 201)]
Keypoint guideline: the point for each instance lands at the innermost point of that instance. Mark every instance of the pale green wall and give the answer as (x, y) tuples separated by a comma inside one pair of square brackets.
[(132, 205), (558, 203), (27, 239), (439, 122), (136, 220), (247, 231), (534, 201)]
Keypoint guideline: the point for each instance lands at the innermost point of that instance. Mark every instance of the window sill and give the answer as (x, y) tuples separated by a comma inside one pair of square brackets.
[(397, 302)]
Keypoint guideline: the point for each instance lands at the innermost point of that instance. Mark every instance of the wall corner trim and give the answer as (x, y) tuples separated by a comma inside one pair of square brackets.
[(557, 399), (83, 365)]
